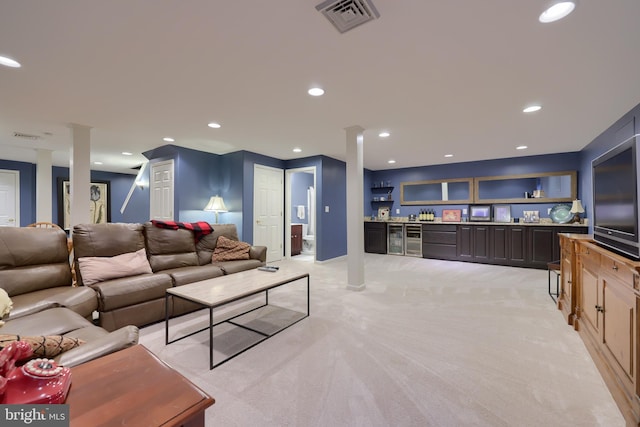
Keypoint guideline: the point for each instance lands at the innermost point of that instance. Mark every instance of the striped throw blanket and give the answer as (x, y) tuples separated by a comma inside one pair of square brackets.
[(200, 228)]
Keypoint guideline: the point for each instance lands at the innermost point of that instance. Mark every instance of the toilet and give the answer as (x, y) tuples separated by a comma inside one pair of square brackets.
[(308, 241)]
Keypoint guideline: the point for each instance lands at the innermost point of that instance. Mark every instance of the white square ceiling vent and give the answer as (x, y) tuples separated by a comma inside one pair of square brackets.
[(348, 14)]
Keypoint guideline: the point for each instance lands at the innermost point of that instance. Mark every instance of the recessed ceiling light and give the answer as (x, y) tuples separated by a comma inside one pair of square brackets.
[(384, 134), (126, 153), (97, 163), (168, 139), (532, 109), (521, 147), (316, 91), (557, 11), (448, 155), (391, 161), (8, 62), (297, 150), (214, 125)]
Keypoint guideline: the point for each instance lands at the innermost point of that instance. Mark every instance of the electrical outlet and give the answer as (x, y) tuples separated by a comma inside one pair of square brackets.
[(326, 209), (548, 211), (397, 211), (464, 211)]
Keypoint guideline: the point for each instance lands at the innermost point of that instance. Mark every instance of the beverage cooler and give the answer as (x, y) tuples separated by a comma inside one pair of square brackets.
[(413, 240), (395, 242)]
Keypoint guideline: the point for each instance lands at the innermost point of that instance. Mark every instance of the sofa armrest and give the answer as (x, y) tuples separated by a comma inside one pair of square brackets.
[(259, 253), (119, 339)]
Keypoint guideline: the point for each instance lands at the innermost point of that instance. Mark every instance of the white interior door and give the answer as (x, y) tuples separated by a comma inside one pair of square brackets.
[(268, 197), (161, 190), (9, 198)]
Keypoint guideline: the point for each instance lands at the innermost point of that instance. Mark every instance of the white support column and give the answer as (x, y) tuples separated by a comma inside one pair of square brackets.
[(80, 174), (44, 196), (355, 209)]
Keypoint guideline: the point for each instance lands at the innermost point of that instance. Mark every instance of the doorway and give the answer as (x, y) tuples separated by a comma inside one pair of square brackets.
[(267, 210), (301, 213)]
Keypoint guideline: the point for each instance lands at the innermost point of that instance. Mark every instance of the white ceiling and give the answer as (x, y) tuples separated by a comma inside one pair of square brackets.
[(441, 76)]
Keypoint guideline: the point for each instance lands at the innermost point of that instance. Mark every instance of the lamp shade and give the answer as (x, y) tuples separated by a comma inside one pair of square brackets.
[(216, 204), (576, 207)]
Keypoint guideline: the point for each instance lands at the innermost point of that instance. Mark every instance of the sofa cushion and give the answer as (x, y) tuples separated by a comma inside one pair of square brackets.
[(230, 250), (207, 244), (33, 258), (81, 299), (43, 345), (128, 291), (185, 275), (230, 267), (105, 240), (168, 248), (99, 269)]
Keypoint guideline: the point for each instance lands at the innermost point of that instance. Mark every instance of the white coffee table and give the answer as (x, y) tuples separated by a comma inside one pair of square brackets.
[(217, 292)]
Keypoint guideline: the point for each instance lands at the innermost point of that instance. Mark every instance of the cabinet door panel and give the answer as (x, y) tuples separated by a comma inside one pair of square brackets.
[(617, 333), (481, 243), (590, 297), (500, 242), (465, 241), (517, 245)]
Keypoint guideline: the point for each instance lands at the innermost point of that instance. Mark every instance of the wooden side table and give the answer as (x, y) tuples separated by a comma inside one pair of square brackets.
[(134, 387)]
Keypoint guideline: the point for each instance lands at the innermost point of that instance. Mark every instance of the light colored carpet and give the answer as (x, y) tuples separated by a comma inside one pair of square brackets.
[(427, 343)]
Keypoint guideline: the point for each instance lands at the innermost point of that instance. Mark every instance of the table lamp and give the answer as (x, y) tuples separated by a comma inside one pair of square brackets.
[(216, 204), (576, 210)]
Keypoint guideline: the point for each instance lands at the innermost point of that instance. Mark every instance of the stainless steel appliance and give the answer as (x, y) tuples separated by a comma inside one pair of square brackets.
[(413, 240), (395, 243)]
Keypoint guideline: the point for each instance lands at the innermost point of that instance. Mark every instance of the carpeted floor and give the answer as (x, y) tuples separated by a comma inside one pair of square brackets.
[(427, 343)]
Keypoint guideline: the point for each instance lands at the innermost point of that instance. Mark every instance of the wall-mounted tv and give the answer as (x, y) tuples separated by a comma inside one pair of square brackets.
[(615, 198)]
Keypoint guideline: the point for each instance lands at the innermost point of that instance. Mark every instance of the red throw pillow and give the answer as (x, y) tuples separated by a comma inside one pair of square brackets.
[(230, 250)]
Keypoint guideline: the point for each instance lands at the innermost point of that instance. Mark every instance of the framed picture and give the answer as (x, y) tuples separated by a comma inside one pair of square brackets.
[(531, 216), (99, 202), (451, 215), (502, 213)]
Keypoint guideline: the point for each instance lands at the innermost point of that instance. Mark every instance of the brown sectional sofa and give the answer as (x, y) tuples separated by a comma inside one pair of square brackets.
[(174, 256), (35, 273)]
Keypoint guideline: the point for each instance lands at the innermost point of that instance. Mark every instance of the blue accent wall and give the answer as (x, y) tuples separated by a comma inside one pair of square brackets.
[(331, 227), (625, 127), (511, 166)]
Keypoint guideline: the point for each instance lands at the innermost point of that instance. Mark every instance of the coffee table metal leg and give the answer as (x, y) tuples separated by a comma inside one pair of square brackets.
[(166, 319), (210, 338)]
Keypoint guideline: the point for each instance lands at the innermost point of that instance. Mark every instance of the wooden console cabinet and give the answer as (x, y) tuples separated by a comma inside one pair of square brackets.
[(568, 298), (606, 316)]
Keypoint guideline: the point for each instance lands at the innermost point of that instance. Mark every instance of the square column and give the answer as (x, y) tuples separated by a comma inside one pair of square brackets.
[(355, 209)]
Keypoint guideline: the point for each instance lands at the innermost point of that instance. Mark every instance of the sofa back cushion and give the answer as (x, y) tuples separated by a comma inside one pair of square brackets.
[(207, 244), (168, 248), (32, 259), (105, 240)]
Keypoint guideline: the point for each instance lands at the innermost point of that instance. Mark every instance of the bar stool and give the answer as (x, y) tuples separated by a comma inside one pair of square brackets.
[(554, 267)]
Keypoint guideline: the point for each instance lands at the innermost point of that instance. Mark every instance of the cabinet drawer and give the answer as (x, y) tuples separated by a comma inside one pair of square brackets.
[(445, 237), (439, 227), (438, 251), (618, 270), (589, 257)]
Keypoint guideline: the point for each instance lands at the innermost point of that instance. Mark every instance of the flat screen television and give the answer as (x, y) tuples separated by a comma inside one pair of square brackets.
[(615, 199)]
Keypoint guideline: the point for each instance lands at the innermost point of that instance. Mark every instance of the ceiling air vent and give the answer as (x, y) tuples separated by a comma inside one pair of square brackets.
[(348, 14), (25, 136)]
